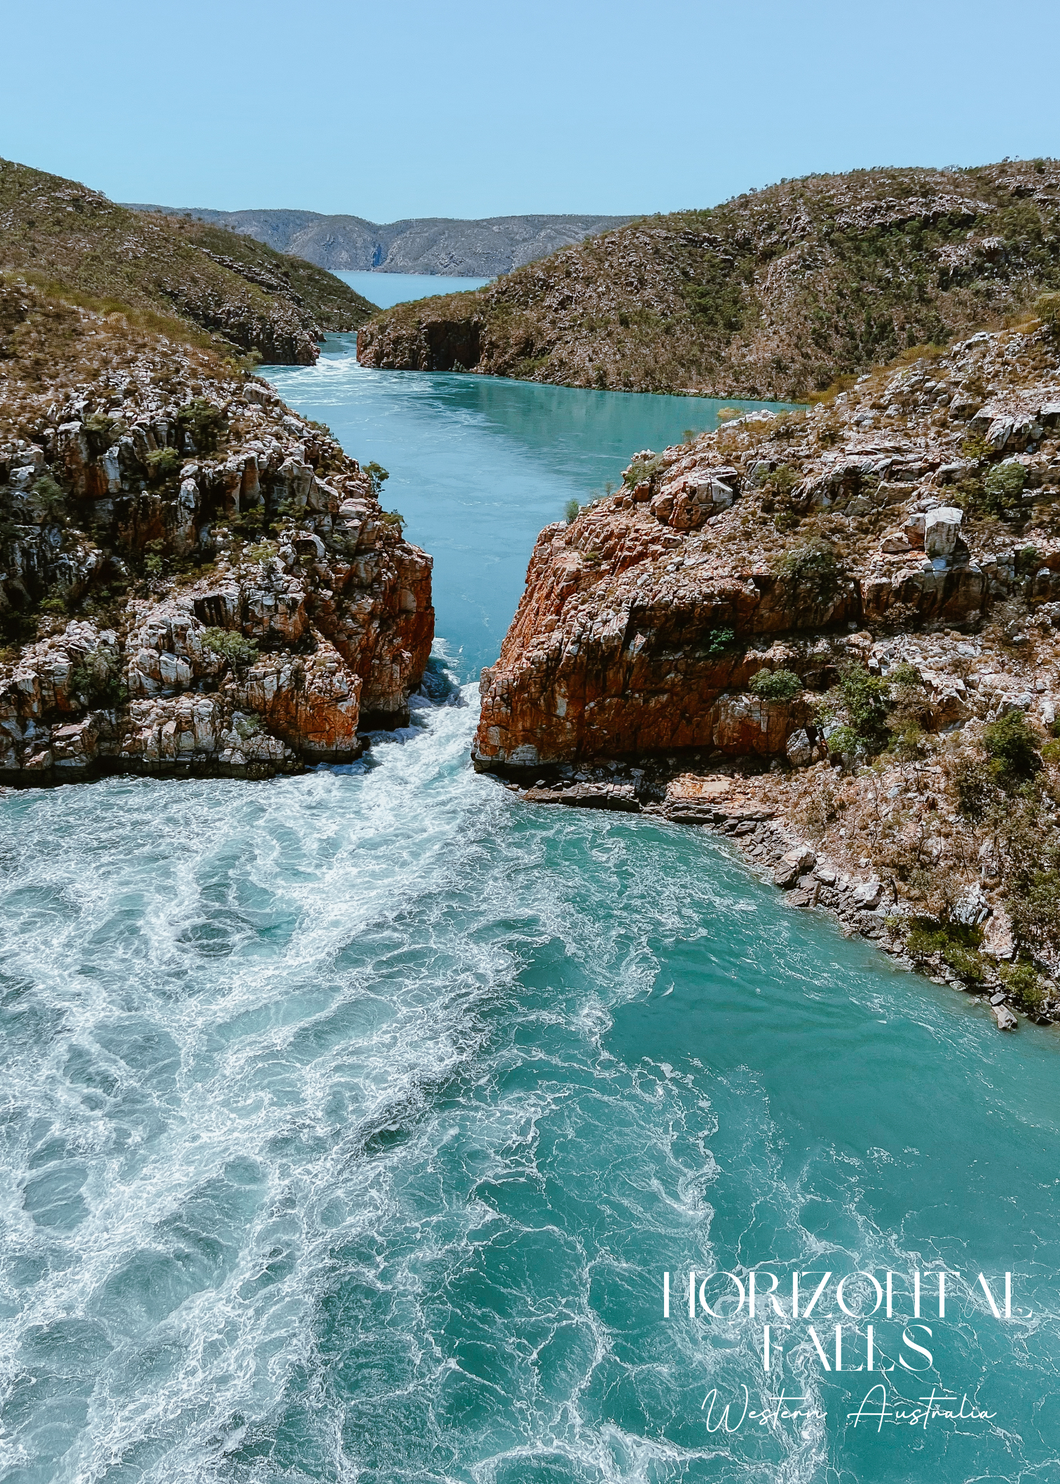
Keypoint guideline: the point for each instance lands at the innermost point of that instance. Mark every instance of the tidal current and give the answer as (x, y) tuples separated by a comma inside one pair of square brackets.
[(351, 1121)]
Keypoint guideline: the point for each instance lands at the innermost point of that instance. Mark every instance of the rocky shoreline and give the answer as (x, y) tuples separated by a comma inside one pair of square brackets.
[(854, 609), (745, 810)]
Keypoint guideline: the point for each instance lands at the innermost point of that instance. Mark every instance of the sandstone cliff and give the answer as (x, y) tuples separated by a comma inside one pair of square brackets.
[(856, 607), (771, 295), (193, 579)]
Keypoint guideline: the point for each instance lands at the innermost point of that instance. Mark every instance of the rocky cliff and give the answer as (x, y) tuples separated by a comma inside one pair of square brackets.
[(852, 611), (171, 275), (477, 248), (193, 579), (772, 295)]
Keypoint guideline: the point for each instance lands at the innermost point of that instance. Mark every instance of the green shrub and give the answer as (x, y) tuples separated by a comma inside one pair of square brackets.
[(644, 469), (1034, 907), (719, 640), (203, 423), (162, 464), (571, 510), (976, 788), (907, 744), (1022, 980), (98, 682), (1028, 560), (1011, 744), (230, 646), (154, 557), (867, 701), (976, 448), (393, 518), (906, 677), (1004, 484), (814, 570), (843, 741), (377, 476), (776, 685), (49, 498), (779, 481), (956, 944)]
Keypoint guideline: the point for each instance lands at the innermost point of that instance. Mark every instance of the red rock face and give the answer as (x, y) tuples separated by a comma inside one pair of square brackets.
[(617, 652), (760, 547)]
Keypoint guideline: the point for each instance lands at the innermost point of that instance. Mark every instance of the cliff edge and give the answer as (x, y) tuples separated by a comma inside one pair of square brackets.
[(193, 578)]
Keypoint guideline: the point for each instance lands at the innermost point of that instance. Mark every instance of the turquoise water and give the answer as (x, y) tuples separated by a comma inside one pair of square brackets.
[(479, 464), (387, 289), (350, 1121)]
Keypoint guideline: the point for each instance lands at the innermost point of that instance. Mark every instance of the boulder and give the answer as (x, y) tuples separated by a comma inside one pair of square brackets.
[(867, 895), (1006, 1021), (796, 862), (799, 749), (942, 527)]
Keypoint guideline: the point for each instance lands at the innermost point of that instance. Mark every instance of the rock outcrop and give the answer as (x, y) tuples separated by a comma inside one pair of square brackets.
[(771, 295), (194, 579), (755, 548), (837, 625)]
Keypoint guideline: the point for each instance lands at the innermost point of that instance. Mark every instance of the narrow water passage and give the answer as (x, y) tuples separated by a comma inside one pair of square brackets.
[(350, 1121)]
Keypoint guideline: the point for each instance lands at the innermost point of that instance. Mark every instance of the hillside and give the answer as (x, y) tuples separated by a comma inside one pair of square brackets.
[(772, 295), (188, 275), (476, 249), (833, 634)]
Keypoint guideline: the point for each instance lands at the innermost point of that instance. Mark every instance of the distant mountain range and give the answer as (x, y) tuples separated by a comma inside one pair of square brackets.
[(479, 249)]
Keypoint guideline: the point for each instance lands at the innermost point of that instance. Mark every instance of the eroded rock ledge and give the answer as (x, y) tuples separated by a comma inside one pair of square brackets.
[(201, 580)]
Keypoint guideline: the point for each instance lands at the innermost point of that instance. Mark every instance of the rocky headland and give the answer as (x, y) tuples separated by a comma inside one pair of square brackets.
[(193, 578), (169, 274), (832, 633), (771, 296)]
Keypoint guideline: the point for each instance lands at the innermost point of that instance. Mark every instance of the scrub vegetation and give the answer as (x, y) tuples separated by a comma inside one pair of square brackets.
[(779, 293), (168, 274)]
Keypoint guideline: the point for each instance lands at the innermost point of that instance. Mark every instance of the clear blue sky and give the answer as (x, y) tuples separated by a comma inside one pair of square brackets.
[(404, 108)]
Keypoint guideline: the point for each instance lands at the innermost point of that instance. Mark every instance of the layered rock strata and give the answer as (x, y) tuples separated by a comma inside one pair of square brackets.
[(195, 579), (644, 619)]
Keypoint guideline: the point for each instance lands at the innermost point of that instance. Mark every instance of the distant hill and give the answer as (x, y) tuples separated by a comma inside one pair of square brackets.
[(475, 249), (68, 238), (773, 294)]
